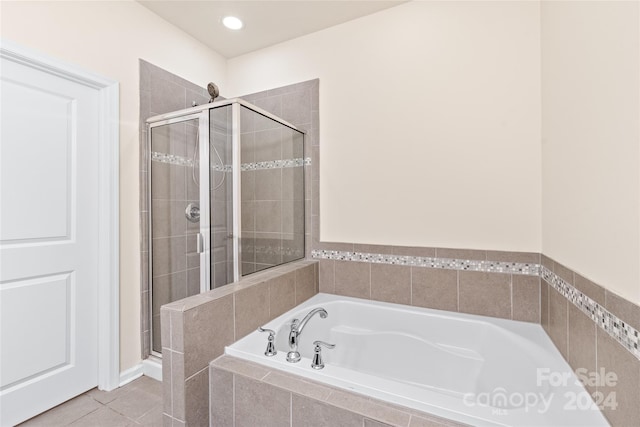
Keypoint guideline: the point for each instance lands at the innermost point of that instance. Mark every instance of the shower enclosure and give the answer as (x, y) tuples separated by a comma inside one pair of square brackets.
[(226, 196)]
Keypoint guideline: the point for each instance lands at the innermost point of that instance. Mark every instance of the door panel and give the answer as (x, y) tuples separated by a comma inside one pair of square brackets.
[(48, 240)]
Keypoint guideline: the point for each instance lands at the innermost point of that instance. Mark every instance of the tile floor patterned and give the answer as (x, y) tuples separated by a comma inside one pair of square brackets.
[(138, 403)]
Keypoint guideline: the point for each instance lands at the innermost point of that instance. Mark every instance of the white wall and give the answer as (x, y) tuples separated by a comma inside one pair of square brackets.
[(430, 122), (591, 140), (108, 38)]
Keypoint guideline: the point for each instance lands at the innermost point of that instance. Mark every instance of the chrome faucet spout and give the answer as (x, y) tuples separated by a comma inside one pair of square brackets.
[(297, 326), (323, 314)]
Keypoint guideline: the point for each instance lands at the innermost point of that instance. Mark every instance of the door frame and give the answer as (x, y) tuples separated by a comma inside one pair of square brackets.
[(108, 196)]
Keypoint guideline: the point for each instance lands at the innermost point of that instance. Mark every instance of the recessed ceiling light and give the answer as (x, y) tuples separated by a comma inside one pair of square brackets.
[(232, 23)]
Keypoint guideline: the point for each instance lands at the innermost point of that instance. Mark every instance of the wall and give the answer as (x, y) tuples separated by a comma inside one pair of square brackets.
[(433, 86), (108, 38), (591, 140)]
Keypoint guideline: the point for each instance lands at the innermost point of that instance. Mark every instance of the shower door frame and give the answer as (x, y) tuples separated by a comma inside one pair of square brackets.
[(202, 114)]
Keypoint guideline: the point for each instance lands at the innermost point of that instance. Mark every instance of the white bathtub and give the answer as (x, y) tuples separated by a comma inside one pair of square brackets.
[(472, 369)]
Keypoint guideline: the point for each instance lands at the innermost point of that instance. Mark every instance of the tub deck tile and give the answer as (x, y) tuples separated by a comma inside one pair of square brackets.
[(297, 385), (241, 367)]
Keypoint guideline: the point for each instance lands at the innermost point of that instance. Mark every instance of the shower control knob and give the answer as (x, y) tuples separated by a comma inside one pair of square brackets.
[(192, 212)]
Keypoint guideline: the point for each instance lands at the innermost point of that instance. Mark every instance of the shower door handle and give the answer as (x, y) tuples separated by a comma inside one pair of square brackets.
[(199, 243)]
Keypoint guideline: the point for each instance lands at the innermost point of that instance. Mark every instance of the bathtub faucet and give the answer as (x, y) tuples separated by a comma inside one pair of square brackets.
[(297, 326)]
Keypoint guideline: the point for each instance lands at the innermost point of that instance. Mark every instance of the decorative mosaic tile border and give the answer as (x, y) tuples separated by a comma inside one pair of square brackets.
[(444, 263), (273, 250), (274, 164), (625, 334), (170, 158)]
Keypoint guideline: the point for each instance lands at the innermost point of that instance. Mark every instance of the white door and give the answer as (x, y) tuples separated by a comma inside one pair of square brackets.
[(49, 218)]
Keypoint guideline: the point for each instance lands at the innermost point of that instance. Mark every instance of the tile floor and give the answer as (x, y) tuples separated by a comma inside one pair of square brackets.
[(135, 404)]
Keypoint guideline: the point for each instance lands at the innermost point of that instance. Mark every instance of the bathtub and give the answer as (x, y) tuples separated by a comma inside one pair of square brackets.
[(471, 369)]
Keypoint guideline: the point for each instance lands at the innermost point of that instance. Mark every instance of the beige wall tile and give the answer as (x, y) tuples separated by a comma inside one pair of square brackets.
[(526, 298), (624, 309), (328, 246), (177, 385), (297, 385), (373, 423), (197, 402), (523, 257), (546, 262), (165, 326), (373, 249), (612, 357), (564, 272), (176, 342), (251, 309), (487, 294), (208, 328), (311, 413), (241, 367), (353, 279), (220, 397), (166, 381), (581, 342), (590, 289), (434, 288), (544, 305), (260, 404), (416, 251), (282, 294), (391, 283), (558, 307), (326, 278), (468, 254), (372, 408), (306, 283)]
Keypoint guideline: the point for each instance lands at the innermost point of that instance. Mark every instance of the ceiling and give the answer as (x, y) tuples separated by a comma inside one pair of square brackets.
[(266, 22)]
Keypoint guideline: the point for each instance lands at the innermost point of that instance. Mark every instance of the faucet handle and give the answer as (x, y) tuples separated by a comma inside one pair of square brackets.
[(324, 344), (295, 323), (271, 348), (317, 362)]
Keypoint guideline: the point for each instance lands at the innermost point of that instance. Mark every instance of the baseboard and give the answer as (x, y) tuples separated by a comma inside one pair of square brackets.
[(152, 367), (131, 374)]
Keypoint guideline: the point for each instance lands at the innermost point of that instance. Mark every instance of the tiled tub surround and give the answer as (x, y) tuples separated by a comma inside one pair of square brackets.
[(196, 329), (593, 328), (245, 394), (596, 330), (506, 286)]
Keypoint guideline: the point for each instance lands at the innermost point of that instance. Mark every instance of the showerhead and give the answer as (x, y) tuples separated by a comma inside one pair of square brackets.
[(213, 91)]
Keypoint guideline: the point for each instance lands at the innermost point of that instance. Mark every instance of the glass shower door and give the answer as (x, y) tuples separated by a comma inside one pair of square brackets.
[(175, 217), (272, 192), (221, 197)]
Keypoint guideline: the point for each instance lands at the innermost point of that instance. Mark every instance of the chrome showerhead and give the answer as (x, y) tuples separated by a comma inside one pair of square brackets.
[(213, 91)]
